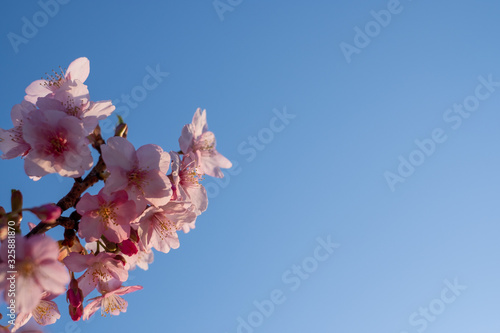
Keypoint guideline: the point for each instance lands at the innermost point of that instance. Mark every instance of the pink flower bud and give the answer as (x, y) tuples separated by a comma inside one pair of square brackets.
[(47, 213), (127, 247), (76, 312), (74, 295)]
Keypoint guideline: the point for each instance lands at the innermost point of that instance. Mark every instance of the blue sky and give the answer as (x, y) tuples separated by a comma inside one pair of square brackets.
[(418, 255)]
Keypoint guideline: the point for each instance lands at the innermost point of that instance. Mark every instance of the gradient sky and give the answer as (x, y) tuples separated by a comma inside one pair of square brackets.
[(420, 256)]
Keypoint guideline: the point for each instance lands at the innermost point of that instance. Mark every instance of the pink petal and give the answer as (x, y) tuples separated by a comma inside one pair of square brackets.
[(53, 277), (36, 89), (79, 69), (76, 262), (42, 248), (157, 189), (92, 307), (21, 320), (87, 203), (186, 138), (153, 157), (199, 122), (127, 290), (46, 313), (119, 153), (100, 110), (211, 164), (28, 294)]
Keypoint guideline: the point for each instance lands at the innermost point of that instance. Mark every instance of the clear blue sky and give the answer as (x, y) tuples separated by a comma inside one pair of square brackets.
[(360, 100)]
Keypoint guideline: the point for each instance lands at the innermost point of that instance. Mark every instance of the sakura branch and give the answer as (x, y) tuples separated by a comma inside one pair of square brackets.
[(140, 206)]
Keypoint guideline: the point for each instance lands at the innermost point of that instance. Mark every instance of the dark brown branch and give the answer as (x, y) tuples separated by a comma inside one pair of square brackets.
[(71, 199)]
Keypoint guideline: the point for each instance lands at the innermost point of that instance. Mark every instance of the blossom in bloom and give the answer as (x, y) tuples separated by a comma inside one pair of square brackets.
[(186, 183), (79, 70), (109, 302), (37, 271), (58, 145), (12, 143), (141, 173), (73, 98), (104, 271), (196, 137), (106, 214), (157, 226), (45, 313)]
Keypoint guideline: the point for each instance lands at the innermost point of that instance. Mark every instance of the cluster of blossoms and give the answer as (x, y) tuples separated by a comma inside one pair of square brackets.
[(148, 196)]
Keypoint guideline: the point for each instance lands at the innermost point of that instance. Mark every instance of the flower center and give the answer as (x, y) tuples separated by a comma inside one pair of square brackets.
[(107, 213), (26, 268), (55, 80), (72, 109), (191, 177), (204, 145), (58, 145), (44, 311), (111, 303), (136, 178)]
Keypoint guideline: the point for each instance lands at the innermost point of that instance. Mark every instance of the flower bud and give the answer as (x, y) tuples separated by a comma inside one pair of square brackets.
[(16, 201), (76, 312), (74, 294), (127, 247), (48, 213)]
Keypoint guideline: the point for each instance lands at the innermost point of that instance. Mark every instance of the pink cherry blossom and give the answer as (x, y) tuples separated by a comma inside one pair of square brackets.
[(79, 69), (58, 145), (196, 138), (106, 214), (157, 227), (45, 313), (73, 98), (103, 271), (12, 143), (186, 183), (37, 271), (109, 302), (141, 173)]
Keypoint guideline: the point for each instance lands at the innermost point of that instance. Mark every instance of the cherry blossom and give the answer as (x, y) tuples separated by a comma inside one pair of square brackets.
[(137, 208), (58, 145), (37, 271), (79, 69), (106, 214), (109, 302), (197, 138), (186, 183), (12, 143), (73, 98), (104, 271), (141, 173), (45, 313)]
